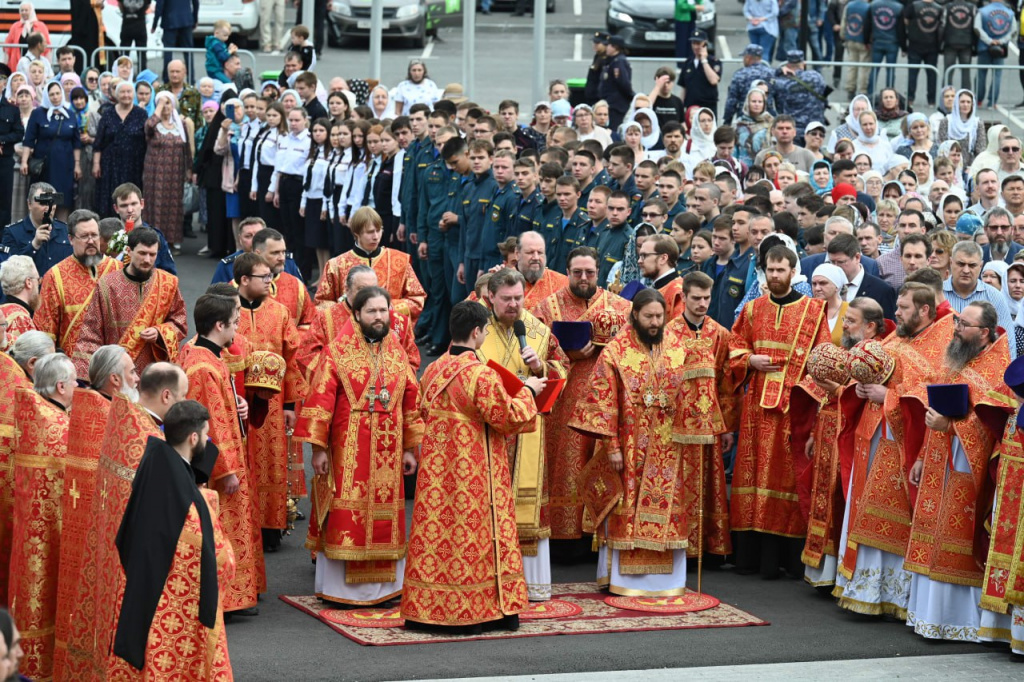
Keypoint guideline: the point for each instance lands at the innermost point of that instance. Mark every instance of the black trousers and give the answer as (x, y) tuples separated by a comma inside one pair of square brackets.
[(6, 188), (220, 238), (134, 32), (766, 554), (266, 209), (246, 206), (293, 225)]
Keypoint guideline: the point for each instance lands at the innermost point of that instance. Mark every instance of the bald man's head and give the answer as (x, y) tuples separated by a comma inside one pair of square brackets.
[(161, 385), (532, 256)]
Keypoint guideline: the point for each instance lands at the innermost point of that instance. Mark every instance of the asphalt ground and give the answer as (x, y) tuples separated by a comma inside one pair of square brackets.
[(283, 643)]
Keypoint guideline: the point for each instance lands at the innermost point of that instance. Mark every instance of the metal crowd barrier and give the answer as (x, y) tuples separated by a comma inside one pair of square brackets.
[(979, 67), (247, 54), (53, 50)]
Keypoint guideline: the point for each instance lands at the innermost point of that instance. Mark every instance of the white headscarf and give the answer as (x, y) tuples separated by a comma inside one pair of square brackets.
[(989, 158), (9, 93), (175, 116), (851, 121), (702, 145), (787, 241), (52, 110), (651, 140), (832, 273), (864, 139), (389, 108), (957, 128), (293, 93)]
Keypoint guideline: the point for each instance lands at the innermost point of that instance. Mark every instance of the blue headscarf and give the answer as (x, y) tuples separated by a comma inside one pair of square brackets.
[(822, 190), (56, 110), (150, 107)]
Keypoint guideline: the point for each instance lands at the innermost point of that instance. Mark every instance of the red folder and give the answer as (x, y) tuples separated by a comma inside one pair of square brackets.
[(546, 399), (510, 381)]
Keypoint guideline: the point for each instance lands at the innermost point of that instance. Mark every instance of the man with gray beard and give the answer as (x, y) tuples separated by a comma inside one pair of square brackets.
[(864, 320), (112, 371), (532, 263), (999, 230), (951, 474)]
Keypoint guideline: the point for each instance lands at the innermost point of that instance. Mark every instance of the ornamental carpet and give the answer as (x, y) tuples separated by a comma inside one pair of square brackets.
[(585, 609)]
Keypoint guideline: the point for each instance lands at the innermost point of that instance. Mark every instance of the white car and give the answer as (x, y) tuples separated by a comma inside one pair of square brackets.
[(244, 16)]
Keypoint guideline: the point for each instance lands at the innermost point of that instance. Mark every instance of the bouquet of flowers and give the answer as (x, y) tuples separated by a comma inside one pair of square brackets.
[(118, 244)]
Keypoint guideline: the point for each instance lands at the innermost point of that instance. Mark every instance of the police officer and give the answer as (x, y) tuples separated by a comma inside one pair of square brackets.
[(616, 86), (799, 92), (591, 90), (753, 69), (700, 76), (44, 240), (11, 132)]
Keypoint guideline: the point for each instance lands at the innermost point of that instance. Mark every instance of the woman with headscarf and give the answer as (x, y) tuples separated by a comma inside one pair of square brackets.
[(81, 108), (890, 112), (872, 142), (990, 157), (950, 207), (850, 128), (873, 181), (821, 177), (69, 81), (227, 148), (120, 147), (919, 133), (649, 128), (25, 101), (289, 99), (701, 125), (52, 138), (965, 126), (753, 127), (15, 83), (828, 282), (947, 102), (209, 177), (27, 24), (381, 104), (169, 149)]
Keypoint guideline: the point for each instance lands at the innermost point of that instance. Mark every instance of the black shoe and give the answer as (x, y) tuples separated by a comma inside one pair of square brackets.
[(247, 613), (519, 14), (299, 516), (433, 351), (190, 234), (271, 539)]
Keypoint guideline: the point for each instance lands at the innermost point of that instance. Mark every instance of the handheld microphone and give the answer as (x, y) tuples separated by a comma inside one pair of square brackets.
[(519, 329)]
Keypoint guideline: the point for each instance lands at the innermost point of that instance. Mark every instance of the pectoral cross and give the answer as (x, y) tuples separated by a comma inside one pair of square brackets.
[(383, 396), (74, 493), (103, 494)]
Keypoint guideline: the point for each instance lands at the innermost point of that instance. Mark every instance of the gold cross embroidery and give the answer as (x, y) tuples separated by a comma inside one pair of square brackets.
[(74, 493), (103, 494)]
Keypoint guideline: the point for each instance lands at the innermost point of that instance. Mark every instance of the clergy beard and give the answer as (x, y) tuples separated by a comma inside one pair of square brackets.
[(905, 330), (583, 289), (999, 249), (647, 336), (90, 261), (198, 450), (961, 351), (131, 393), (533, 274), (850, 341), (374, 332), (777, 288)]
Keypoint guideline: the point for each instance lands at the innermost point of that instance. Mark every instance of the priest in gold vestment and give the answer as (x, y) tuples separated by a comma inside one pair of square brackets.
[(771, 340), (566, 450), (68, 287), (40, 453), (464, 567), (634, 485), (362, 420), (139, 308), (530, 351)]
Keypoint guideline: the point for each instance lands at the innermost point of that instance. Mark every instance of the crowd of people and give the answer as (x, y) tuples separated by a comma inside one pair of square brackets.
[(769, 343)]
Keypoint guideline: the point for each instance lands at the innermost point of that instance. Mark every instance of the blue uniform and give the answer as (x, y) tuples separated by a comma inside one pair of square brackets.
[(527, 211), (616, 88), (225, 271), (18, 242), (501, 223), (801, 95), (475, 209), (435, 197), (741, 83)]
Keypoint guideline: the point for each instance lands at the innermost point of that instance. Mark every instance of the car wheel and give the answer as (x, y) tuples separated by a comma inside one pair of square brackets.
[(551, 6), (420, 39)]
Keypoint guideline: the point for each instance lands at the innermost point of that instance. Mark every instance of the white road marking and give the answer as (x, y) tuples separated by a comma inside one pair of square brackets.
[(577, 7), (1013, 48), (428, 49), (577, 48), (1013, 118), (723, 47)]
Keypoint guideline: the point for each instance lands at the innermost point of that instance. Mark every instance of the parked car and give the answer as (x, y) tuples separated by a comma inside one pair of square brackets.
[(511, 5), (413, 19), (244, 16), (649, 25)]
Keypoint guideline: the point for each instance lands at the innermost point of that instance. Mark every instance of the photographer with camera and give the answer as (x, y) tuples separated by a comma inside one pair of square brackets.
[(39, 236)]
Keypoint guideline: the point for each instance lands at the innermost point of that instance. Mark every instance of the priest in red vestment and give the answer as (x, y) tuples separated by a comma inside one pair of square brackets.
[(20, 280), (772, 338), (522, 344), (111, 372), (139, 308), (876, 451), (210, 382), (92, 615), (658, 256), (707, 417), (40, 453), (285, 288), (393, 267), (634, 484), (566, 450), (68, 287), (532, 262), (16, 369), (267, 326), (464, 567), (362, 420), (331, 319), (949, 537), (173, 553)]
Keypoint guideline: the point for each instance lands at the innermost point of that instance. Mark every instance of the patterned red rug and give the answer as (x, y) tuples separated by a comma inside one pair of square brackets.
[(576, 609)]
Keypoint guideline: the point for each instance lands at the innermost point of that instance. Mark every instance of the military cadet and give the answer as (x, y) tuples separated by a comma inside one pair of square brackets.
[(616, 87), (530, 199), (620, 168), (753, 69), (570, 220), (592, 89), (583, 163), (597, 217), (476, 209), (699, 77), (799, 92), (417, 157), (547, 220), (434, 197), (601, 176), (247, 229), (617, 233), (504, 208), (645, 176)]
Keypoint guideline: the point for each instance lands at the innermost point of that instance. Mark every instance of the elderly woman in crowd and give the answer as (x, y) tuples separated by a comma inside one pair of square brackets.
[(24, 99), (963, 125), (52, 149), (27, 24), (169, 151), (119, 148)]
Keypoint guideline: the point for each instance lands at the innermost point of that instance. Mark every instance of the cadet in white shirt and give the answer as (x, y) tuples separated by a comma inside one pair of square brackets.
[(287, 181)]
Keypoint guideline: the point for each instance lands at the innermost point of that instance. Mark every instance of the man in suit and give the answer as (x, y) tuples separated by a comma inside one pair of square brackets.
[(836, 225), (844, 252)]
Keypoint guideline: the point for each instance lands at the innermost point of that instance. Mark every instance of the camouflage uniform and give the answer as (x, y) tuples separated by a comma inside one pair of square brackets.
[(740, 86), (791, 97)]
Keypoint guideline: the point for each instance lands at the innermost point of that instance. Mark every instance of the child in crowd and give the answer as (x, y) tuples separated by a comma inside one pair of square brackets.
[(218, 49), (300, 43)]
